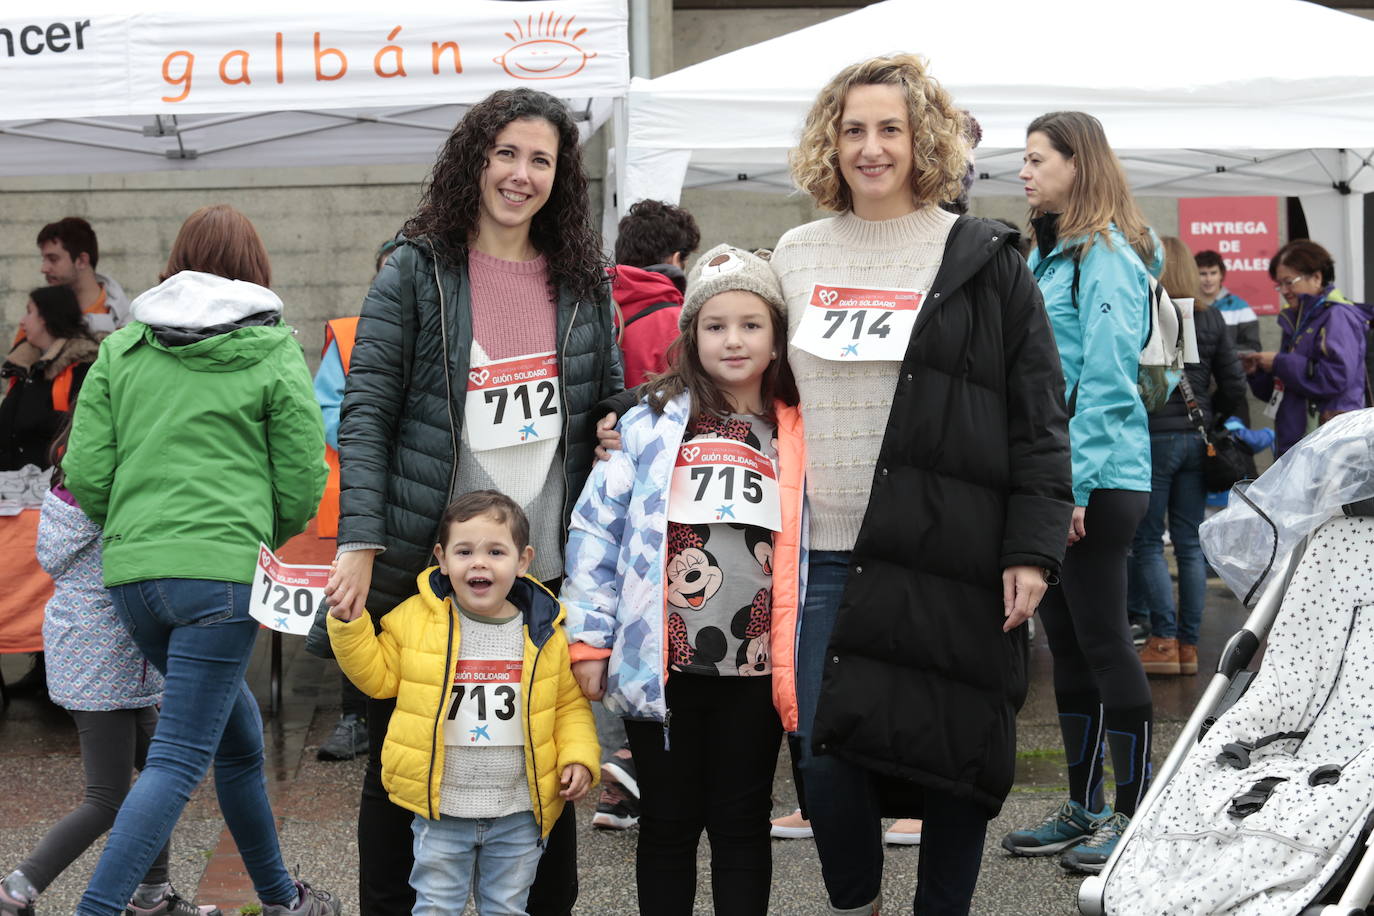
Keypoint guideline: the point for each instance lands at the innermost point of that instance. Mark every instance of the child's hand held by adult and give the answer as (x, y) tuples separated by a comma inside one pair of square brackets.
[(591, 677), (350, 579)]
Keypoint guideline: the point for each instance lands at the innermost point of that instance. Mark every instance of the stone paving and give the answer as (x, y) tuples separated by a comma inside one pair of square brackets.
[(316, 803)]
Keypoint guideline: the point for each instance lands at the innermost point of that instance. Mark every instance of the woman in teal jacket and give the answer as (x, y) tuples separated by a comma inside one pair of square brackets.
[(1092, 248), (196, 438)]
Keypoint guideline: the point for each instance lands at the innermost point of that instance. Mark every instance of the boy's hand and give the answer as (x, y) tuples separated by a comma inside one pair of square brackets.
[(591, 677), (576, 780), (344, 612)]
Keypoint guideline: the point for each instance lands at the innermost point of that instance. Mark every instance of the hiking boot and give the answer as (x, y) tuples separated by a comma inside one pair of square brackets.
[(617, 809), (1187, 658), (791, 827), (1160, 656), (1092, 854), (622, 770), (311, 902), (904, 832), (173, 904), (1066, 825), (348, 740)]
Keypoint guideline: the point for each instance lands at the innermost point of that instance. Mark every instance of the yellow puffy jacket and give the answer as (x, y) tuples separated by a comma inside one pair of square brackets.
[(412, 659)]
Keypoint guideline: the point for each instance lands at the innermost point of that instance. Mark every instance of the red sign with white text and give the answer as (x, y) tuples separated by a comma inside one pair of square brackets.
[(1245, 232)]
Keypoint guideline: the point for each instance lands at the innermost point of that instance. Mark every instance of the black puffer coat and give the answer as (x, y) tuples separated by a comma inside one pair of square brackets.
[(973, 476), (1217, 362), (402, 415)]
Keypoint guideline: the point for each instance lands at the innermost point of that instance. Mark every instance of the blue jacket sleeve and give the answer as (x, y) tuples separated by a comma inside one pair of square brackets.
[(1111, 301), (590, 590), (329, 391)]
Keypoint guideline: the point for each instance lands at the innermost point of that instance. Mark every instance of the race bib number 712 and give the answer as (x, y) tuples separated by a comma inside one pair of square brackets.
[(849, 323), (513, 402)]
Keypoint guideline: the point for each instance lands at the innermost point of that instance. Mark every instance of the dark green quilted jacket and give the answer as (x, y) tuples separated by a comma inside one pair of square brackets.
[(402, 414)]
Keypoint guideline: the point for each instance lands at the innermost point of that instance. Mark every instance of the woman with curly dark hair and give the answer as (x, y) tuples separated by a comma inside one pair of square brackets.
[(483, 348)]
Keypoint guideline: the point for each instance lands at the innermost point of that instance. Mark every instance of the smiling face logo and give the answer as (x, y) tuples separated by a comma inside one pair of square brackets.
[(544, 49)]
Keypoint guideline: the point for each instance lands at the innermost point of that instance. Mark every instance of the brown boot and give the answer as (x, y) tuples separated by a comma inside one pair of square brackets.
[(1160, 656), (1187, 658)]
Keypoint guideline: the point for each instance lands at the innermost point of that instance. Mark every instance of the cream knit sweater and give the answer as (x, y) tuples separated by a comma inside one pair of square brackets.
[(846, 405)]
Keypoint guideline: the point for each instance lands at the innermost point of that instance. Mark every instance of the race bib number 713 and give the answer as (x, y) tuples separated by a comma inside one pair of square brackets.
[(857, 323)]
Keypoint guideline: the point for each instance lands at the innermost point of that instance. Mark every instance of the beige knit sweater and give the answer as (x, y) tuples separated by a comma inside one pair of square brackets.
[(846, 404)]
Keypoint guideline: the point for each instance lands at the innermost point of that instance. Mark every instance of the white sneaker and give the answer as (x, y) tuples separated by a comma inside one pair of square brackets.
[(905, 832), (791, 827)]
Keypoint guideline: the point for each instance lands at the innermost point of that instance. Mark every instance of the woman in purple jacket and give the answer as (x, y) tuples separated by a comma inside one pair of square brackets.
[(1319, 369)]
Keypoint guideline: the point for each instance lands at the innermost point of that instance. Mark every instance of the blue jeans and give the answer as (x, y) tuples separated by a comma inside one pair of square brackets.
[(198, 633), (1179, 489), (842, 798), (495, 858)]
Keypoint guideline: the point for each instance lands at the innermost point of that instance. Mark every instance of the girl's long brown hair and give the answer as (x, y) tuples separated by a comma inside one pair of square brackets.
[(685, 373), (220, 240), (1100, 194)]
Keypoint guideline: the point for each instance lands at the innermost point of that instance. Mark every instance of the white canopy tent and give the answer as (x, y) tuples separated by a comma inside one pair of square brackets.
[(1223, 97), (126, 86)]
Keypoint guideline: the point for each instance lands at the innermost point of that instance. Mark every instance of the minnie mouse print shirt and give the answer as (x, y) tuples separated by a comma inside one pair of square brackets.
[(719, 575)]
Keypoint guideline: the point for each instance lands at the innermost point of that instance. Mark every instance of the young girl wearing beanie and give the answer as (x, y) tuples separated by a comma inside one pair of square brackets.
[(672, 612)]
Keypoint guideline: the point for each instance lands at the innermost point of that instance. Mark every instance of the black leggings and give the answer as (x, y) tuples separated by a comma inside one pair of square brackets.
[(113, 744), (717, 776), (1100, 686)]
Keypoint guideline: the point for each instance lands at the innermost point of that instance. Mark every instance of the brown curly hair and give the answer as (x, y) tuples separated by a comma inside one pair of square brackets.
[(562, 229), (939, 144)]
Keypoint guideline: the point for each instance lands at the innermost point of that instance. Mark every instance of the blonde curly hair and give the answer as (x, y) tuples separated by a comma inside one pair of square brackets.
[(939, 141)]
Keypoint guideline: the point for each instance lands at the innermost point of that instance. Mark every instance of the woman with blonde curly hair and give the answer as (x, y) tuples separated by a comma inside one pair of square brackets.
[(937, 485)]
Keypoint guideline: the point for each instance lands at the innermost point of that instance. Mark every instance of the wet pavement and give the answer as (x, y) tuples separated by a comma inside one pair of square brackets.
[(316, 802)]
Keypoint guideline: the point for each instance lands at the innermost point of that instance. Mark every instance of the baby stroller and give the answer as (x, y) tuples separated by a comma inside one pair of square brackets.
[(1265, 803)]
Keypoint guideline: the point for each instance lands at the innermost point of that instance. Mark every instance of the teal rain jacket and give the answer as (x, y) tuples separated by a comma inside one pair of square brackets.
[(1099, 350)]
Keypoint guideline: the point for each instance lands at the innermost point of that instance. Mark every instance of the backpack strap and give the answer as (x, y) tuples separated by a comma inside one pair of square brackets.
[(656, 307)]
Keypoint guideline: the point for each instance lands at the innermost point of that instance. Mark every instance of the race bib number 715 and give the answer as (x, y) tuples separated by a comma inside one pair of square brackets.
[(849, 323)]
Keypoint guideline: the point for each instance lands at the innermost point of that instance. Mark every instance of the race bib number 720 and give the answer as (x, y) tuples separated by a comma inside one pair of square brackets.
[(284, 595), (849, 323)]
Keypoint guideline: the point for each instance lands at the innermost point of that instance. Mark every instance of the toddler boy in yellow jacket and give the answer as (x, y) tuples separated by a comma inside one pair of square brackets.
[(491, 734)]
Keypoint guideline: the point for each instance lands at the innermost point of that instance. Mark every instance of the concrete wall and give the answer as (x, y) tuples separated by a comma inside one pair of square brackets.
[(320, 226)]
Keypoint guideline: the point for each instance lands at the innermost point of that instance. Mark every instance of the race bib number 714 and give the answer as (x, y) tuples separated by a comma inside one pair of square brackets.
[(856, 323)]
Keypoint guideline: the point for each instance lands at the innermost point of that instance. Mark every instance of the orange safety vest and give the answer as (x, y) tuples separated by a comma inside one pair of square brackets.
[(341, 331)]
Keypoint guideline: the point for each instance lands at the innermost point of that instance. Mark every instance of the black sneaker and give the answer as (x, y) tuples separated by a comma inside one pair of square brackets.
[(1140, 633), (621, 770), (349, 739), (617, 809)]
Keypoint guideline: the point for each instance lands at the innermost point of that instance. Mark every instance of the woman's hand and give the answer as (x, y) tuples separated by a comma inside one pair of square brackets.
[(575, 780), (1257, 362), (1077, 530), (350, 578), (607, 437), (590, 675), (1022, 589)]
